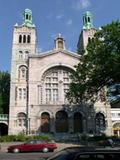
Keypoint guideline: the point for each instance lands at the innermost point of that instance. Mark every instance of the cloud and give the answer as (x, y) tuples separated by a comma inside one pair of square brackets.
[(69, 22), (60, 16), (81, 4)]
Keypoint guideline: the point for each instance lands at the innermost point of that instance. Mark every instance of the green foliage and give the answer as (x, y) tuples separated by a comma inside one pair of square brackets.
[(99, 66), (4, 92), (22, 138)]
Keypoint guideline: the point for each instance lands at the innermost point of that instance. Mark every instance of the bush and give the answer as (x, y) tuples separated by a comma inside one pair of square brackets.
[(22, 138)]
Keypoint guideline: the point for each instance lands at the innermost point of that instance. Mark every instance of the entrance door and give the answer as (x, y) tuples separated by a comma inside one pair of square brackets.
[(45, 122), (61, 123), (3, 129), (78, 123)]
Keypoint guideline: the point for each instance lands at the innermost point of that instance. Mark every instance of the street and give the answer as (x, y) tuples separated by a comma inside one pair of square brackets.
[(24, 156)]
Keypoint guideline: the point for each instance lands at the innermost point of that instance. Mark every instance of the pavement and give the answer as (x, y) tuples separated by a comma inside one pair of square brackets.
[(4, 146)]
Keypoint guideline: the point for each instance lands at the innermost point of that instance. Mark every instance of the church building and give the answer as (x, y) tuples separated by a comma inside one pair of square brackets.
[(39, 82)]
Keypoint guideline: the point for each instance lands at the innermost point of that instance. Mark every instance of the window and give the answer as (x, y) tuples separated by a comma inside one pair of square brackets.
[(21, 119), (88, 19), (20, 55), (28, 39), (22, 73), (26, 16), (20, 38), (24, 39), (48, 95), (60, 44), (26, 54), (56, 81), (22, 93), (55, 95)]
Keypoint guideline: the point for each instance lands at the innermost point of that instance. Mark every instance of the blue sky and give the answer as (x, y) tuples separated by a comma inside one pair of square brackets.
[(52, 17)]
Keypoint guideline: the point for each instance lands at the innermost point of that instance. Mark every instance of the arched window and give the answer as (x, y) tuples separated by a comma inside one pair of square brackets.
[(56, 81), (100, 123), (24, 39), (116, 129), (88, 19), (20, 55), (26, 16), (45, 122), (20, 38), (61, 122), (28, 39), (22, 75), (60, 44), (21, 119)]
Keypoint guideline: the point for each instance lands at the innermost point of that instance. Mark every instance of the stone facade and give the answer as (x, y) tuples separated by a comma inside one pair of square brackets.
[(39, 82)]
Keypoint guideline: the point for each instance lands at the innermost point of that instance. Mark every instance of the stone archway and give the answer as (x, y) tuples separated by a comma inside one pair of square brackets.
[(116, 129), (78, 122), (61, 122), (3, 129), (100, 123), (45, 122)]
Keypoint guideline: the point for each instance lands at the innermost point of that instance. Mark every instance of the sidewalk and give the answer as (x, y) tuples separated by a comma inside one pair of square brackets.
[(4, 146)]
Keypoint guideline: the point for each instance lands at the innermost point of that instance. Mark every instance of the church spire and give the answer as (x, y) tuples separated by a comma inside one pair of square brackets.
[(87, 20), (28, 18)]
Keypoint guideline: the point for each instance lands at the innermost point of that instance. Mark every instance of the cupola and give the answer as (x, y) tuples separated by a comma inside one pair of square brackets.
[(27, 17), (59, 42), (87, 20)]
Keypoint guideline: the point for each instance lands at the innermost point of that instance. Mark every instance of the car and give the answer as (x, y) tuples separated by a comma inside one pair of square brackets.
[(68, 153), (33, 146), (98, 155), (86, 153), (109, 142)]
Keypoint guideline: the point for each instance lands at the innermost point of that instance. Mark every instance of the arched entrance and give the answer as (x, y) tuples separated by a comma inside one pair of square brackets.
[(61, 122), (78, 123), (3, 129), (116, 129), (100, 123), (45, 122)]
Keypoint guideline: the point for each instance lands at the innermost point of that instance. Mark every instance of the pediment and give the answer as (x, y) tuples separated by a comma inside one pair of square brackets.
[(57, 52)]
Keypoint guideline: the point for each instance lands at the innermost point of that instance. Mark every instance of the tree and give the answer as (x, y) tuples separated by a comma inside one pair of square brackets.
[(4, 92), (99, 66)]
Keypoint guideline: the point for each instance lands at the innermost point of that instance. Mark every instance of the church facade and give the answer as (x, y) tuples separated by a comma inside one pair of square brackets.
[(39, 82)]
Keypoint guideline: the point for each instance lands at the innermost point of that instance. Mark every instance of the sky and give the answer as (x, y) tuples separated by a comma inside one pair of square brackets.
[(50, 18)]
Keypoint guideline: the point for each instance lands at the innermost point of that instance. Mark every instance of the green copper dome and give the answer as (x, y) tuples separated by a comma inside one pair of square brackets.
[(87, 20)]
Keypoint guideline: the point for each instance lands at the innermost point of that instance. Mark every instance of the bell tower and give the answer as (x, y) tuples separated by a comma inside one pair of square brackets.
[(24, 44), (87, 32), (27, 18)]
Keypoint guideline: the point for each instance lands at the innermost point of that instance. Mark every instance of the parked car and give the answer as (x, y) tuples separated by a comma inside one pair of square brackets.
[(86, 153), (98, 155), (68, 153), (32, 146), (109, 142)]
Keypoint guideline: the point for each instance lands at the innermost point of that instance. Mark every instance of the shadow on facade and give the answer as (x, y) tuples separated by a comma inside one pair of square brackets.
[(70, 122), (3, 129)]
